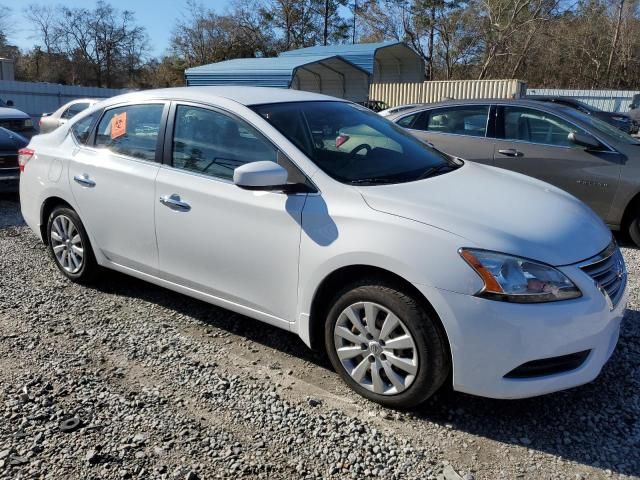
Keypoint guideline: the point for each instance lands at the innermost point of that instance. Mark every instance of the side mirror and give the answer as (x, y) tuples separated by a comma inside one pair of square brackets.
[(260, 176), (9, 103), (584, 140)]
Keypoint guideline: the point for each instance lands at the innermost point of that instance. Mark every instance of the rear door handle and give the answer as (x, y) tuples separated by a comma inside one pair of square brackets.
[(84, 180), (175, 203), (511, 152)]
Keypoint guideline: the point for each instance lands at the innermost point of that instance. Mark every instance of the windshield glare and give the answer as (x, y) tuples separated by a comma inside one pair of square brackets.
[(352, 144)]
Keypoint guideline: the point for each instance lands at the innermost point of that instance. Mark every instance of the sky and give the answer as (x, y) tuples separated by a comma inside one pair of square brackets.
[(157, 16)]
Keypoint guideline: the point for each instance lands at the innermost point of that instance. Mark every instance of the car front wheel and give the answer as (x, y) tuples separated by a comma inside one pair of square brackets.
[(69, 245), (385, 345)]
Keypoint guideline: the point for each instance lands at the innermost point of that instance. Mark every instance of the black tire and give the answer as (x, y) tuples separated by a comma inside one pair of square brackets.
[(89, 268), (634, 229), (434, 362)]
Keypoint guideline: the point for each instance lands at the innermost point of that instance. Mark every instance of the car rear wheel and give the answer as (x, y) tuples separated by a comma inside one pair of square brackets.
[(634, 228), (385, 345), (69, 245)]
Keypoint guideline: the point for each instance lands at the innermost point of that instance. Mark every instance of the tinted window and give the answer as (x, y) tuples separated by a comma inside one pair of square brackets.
[(601, 128), (82, 127), (352, 144), (467, 120), (74, 109), (131, 130), (211, 143), (408, 120), (536, 126)]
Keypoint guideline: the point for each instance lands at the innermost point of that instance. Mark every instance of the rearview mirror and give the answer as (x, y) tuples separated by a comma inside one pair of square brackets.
[(584, 140), (260, 176)]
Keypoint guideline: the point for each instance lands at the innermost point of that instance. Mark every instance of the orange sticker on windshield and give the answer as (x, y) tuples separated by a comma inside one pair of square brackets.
[(118, 125)]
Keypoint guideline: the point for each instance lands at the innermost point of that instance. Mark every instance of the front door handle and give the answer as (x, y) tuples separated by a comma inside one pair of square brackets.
[(84, 180), (175, 203), (511, 152)]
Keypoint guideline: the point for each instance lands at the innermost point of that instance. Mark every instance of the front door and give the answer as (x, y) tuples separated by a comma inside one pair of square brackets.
[(535, 143), (113, 182), (240, 246)]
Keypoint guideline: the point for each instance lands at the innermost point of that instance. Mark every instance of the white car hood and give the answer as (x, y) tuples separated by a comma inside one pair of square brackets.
[(498, 210)]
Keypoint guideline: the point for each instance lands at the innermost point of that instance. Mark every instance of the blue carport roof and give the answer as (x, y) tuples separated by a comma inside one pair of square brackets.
[(264, 72), (360, 54)]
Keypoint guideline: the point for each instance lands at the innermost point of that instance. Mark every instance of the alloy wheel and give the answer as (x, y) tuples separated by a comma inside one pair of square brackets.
[(376, 348), (66, 243)]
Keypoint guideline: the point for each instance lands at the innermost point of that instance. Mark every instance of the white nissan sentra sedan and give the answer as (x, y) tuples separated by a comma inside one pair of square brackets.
[(409, 267)]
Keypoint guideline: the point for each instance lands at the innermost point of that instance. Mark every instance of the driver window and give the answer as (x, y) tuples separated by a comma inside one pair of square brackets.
[(535, 126), (211, 143)]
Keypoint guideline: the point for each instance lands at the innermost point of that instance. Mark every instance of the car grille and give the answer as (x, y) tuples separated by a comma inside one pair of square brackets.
[(608, 272), (8, 160)]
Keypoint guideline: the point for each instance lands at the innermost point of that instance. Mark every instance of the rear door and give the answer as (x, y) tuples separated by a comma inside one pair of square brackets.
[(535, 142), (462, 131), (113, 182)]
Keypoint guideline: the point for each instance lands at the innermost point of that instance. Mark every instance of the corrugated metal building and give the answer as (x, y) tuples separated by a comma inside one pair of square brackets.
[(328, 74), (36, 98), (387, 62), (607, 100)]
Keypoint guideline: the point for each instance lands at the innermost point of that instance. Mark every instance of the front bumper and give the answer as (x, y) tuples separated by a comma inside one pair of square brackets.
[(489, 338)]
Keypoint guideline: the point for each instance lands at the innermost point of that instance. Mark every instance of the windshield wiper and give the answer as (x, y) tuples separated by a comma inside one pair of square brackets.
[(372, 181), (439, 170)]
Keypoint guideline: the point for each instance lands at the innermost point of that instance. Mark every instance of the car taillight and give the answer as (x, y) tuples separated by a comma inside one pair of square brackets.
[(341, 139), (24, 155)]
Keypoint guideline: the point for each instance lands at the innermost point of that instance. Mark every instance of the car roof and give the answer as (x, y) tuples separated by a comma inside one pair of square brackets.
[(553, 98), (243, 95), (522, 102)]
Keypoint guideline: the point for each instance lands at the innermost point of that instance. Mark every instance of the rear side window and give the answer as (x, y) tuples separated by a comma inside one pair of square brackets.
[(82, 128), (131, 130), (535, 126), (464, 120), (74, 109), (407, 121), (211, 143), (467, 120)]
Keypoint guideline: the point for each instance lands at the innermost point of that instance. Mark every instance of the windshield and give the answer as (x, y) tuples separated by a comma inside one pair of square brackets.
[(603, 128), (354, 145), (587, 107)]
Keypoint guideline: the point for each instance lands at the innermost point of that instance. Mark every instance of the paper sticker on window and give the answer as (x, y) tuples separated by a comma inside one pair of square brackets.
[(118, 125)]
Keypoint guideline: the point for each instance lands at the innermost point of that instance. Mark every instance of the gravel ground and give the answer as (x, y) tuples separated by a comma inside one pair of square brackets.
[(128, 380)]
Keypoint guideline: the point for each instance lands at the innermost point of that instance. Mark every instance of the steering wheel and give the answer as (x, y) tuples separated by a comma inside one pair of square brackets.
[(362, 146), (353, 156)]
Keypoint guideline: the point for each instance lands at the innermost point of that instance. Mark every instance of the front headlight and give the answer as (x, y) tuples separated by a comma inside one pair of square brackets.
[(520, 280), (28, 123)]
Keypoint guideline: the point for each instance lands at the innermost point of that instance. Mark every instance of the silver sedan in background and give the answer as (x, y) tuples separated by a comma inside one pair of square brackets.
[(50, 121), (578, 153)]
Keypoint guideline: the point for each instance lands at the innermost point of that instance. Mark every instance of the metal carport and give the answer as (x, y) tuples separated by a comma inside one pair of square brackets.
[(328, 74), (387, 62)]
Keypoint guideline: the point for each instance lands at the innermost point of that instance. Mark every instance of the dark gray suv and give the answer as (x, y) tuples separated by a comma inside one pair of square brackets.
[(581, 154)]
